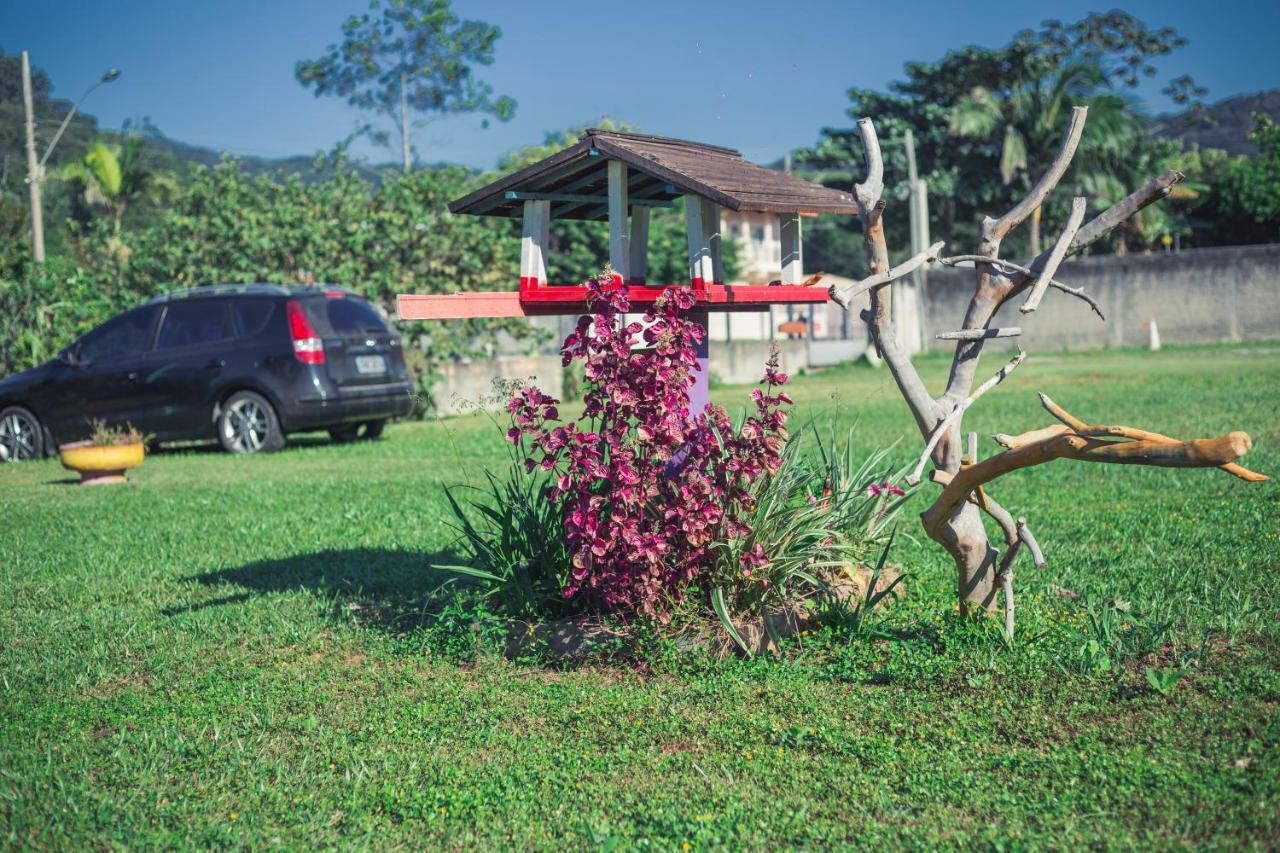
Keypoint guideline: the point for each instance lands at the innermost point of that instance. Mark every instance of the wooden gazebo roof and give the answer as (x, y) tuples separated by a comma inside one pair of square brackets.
[(660, 170)]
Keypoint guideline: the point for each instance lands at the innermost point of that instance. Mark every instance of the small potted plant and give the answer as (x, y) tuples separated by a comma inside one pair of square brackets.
[(105, 455)]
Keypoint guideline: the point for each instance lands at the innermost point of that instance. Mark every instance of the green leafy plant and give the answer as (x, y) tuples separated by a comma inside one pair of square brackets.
[(1163, 681), (511, 539), (855, 617), (818, 521), (1114, 632), (103, 435)]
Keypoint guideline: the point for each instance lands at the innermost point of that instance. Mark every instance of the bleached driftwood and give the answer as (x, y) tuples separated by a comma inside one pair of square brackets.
[(844, 296), (1010, 268), (980, 334), (1057, 255), (954, 520), (1198, 453), (954, 416)]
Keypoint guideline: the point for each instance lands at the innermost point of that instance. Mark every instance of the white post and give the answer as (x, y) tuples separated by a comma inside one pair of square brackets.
[(639, 265), (792, 248), (699, 254), (619, 240), (544, 239), (535, 233), (908, 293), (34, 175), (711, 236)]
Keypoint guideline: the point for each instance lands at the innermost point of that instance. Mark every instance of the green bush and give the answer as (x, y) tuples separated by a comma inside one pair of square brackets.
[(378, 238)]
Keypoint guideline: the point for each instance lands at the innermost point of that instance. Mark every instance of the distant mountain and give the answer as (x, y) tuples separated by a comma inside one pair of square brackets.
[(1224, 125), (178, 156)]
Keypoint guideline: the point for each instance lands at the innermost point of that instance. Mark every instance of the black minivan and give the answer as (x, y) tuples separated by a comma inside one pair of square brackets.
[(246, 364)]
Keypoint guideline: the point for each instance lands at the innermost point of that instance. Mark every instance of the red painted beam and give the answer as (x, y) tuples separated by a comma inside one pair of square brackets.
[(572, 299)]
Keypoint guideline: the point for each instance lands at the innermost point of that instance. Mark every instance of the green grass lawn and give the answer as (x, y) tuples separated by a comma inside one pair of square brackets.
[(233, 651)]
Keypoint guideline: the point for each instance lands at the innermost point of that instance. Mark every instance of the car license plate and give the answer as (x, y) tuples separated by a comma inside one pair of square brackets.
[(367, 364)]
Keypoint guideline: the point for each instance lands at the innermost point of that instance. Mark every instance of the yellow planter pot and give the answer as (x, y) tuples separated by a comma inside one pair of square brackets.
[(99, 465)]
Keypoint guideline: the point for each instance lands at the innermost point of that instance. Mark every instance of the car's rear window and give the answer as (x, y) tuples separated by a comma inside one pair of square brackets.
[(346, 315), (252, 315)]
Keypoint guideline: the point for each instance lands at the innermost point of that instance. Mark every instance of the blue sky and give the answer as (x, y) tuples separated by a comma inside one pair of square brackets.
[(760, 76)]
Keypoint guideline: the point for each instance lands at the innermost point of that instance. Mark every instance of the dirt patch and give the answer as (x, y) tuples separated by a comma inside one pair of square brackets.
[(111, 687), (680, 747), (572, 639)]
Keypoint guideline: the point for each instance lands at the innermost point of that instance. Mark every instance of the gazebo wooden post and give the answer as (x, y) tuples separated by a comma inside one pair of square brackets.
[(792, 248), (534, 242), (619, 238), (702, 219), (639, 265)]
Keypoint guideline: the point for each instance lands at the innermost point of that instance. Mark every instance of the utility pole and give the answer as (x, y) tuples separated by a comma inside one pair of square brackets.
[(910, 299), (33, 165), (404, 121)]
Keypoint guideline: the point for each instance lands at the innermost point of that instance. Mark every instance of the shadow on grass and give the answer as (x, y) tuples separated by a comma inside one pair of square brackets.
[(394, 591), (212, 447)]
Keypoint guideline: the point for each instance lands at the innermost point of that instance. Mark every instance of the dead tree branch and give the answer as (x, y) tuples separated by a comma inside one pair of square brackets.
[(995, 230), (993, 289), (1057, 255), (1199, 453), (954, 416), (1081, 428), (843, 297), (1010, 269), (1103, 223), (879, 316), (980, 334)]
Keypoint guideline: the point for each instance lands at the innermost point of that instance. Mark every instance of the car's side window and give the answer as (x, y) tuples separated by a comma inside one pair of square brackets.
[(252, 315), (193, 323), (127, 335)]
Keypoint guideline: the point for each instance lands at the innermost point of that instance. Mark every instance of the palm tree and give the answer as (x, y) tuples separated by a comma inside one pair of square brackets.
[(114, 177), (1030, 117)]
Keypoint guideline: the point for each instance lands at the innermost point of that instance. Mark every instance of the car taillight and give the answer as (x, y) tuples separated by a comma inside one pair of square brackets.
[(307, 345)]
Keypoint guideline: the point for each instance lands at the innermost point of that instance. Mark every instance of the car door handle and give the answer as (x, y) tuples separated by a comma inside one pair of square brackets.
[(215, 364), (133, 375)]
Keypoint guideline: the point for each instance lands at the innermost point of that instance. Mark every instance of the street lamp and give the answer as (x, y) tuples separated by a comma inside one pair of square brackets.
[(35, 168)]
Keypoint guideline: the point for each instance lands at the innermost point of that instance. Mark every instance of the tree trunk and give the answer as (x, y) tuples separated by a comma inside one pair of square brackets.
[(404, 123), (965, 539)]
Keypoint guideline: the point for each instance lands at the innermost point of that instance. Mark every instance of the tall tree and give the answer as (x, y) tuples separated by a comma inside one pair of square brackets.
[(1028, 119), (409, 57), (963, 173), (114, 177)]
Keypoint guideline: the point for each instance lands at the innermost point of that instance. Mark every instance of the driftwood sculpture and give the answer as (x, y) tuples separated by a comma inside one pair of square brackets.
[(954, 520)]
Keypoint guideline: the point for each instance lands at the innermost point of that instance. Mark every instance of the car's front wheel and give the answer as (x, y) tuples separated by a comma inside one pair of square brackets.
[(21, 437), (248, 424)]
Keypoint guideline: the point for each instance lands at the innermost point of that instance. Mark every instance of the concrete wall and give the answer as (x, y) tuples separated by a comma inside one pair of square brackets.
[(1195, 296), (468, 385)]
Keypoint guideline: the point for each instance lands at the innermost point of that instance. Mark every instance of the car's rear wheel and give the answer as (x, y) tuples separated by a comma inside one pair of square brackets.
[(366, 431), (21, 437), (248, 424)]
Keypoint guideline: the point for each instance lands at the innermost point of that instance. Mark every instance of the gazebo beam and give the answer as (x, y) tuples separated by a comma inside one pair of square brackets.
[(582, 199)]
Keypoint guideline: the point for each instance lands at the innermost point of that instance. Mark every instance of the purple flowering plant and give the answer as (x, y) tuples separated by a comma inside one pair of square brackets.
[(645, 487)]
